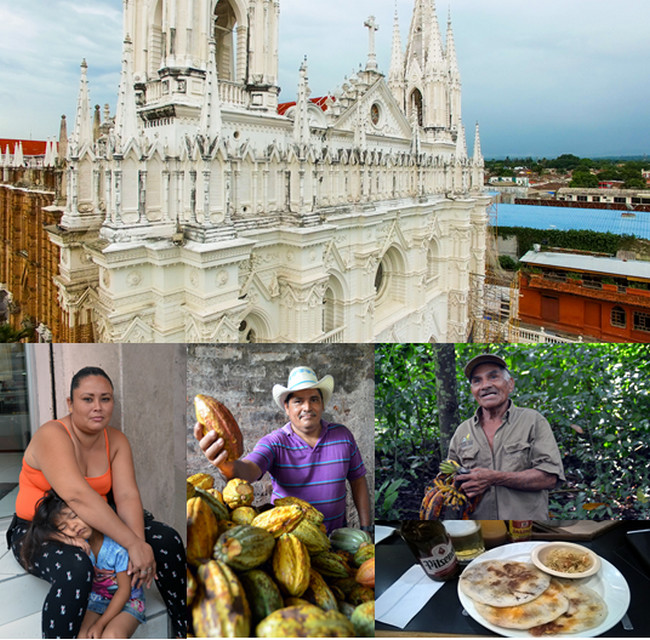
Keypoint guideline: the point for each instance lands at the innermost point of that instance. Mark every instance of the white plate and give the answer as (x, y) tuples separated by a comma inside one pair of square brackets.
[(382, 532), (608, 583)]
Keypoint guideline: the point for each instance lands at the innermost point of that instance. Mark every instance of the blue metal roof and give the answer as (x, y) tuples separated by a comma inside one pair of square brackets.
[(566, 218)]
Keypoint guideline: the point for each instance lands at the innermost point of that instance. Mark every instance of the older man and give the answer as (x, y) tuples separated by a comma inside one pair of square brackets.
[(308, 457), (511, 454)]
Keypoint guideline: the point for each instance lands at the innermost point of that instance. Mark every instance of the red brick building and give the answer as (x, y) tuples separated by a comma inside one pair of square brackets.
[(596, 297)]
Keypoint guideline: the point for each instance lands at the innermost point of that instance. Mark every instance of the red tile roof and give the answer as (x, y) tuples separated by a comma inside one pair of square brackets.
[(320, 102), (30, 147)]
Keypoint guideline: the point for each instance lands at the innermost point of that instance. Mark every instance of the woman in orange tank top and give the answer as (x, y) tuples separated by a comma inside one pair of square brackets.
[(82, 458)]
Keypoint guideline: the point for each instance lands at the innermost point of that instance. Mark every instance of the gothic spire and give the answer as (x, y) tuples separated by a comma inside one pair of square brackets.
[(211, 109), (461, 144), (126, 116), (478, 155), (82, 134), (396, 71), (63, 140), (434, 61), (452, 60), (301, 120)]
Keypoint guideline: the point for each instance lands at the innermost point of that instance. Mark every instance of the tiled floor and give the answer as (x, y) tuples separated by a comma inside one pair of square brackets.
[(22, 595)]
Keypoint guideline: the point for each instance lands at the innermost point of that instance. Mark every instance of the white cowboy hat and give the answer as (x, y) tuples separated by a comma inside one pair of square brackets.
[(303, 378)]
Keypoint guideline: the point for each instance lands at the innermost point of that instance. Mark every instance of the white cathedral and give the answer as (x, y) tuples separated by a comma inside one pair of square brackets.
[(205, 211)]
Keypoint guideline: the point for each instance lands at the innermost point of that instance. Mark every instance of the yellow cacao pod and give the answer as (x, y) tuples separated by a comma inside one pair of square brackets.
[(243, 515), (222, 610), (279, 520), (191, 586), (198, 480), (202, 530), (238, 493), (310, 512), (305, 621), (215, 416), (291, 565)]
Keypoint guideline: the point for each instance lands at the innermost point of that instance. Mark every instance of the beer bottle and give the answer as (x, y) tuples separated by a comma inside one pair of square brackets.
[(430, 544)]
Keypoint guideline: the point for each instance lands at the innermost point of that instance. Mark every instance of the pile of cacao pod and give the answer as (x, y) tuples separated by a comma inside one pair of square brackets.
[(274, 572)]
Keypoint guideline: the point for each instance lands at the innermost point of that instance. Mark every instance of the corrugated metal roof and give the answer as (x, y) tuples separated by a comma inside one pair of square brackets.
[(565, 218), (593, 264)]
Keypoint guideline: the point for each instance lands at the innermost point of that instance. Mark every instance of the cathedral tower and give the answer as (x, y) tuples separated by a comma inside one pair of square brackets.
[(171, 41), (426, 80)]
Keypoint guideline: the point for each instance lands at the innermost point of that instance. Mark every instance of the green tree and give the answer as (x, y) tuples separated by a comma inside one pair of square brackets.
[(584, 179)]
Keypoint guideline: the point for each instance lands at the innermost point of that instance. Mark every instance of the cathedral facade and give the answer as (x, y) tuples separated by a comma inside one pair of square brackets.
[(204, 211)]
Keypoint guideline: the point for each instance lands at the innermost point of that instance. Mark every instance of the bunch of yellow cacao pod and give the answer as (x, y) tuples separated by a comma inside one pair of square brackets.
[(272, 572)]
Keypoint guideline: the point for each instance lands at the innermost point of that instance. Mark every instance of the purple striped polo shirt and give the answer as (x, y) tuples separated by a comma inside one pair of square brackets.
[(317, 475)]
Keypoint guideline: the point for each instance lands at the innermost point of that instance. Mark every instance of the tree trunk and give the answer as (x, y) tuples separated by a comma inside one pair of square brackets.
[(446, 393)]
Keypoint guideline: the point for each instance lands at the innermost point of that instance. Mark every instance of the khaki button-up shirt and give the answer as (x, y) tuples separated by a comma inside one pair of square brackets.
[(523, 441)]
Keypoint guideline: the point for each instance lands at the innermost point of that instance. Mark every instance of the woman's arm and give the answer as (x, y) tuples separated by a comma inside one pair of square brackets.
[(119, 599), (125, 488), (127, 497)]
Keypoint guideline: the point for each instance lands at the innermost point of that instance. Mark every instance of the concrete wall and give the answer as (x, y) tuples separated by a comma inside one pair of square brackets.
[(242, 376), (149, 383)]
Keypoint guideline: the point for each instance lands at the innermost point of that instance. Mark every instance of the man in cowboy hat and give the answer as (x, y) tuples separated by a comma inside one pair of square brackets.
[(511, 453), (308, 457)]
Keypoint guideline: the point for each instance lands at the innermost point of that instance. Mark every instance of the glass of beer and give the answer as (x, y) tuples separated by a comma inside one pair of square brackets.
[(466, 539)]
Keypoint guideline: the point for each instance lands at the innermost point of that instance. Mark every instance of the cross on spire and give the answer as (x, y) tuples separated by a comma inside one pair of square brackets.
[(372, 26)]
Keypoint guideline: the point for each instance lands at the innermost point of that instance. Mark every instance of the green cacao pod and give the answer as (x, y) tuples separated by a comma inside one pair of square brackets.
[(262, 593), (311, 536), (365, 552), (348, 539), (330, 564), (363, 619), (213, 498), (319, 593), (244, 547), (222, 610)]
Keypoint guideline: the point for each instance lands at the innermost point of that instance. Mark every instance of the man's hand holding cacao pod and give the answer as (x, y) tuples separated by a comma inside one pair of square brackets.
[(218, 434)]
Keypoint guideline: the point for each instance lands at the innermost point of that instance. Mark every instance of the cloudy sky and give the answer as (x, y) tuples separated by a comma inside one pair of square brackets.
[(542, 79)]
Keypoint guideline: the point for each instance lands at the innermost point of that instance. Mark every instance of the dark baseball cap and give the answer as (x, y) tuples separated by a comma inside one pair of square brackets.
[(483, 359)]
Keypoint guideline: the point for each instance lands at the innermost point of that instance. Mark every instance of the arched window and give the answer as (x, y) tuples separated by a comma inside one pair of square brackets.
[(433, 260), (416, 106), (390, 293), (225, 36), (156, 45), (618, 317)]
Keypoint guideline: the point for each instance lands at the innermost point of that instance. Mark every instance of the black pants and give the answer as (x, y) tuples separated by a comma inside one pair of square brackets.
[(70, 574)]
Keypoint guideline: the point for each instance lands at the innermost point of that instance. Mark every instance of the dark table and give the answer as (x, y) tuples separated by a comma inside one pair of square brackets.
[(442, 614)]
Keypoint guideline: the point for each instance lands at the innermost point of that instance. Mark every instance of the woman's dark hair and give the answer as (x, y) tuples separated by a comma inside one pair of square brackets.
[(85, 373), (43, 527)]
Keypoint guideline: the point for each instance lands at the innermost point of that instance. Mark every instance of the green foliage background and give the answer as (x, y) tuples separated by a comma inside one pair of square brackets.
[(595, 396)]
